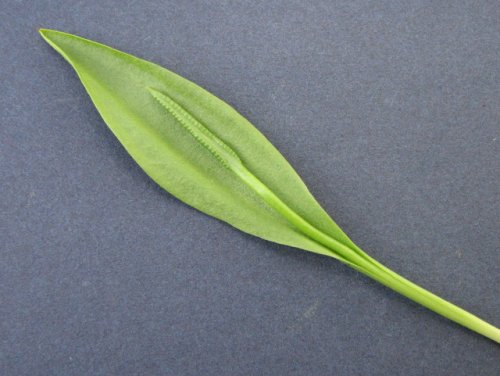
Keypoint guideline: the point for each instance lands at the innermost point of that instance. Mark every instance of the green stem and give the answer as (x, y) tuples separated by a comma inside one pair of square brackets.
[(429, 300)]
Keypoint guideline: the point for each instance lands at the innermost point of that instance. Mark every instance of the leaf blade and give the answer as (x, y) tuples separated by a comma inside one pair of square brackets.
[(118, 84)]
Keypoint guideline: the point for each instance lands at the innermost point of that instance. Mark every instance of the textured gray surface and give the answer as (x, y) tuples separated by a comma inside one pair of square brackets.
[(388, 110)]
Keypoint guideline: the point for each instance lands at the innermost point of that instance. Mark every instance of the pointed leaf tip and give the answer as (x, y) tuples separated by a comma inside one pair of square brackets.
[(46, 35), (44, 32), (50, 34)]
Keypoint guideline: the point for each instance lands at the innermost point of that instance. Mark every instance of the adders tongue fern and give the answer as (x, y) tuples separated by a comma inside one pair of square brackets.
[(239, 177)]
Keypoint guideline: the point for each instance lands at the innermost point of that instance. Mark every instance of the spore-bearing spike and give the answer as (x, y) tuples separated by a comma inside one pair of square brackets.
[(218, 148)]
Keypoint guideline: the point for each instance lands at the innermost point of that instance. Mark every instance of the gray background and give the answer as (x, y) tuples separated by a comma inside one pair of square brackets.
[(389, 110)]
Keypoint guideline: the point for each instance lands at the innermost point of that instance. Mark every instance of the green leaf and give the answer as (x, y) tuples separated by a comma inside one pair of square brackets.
[(202, 151), (118, 85)]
